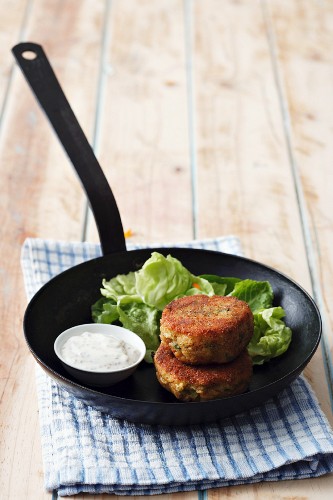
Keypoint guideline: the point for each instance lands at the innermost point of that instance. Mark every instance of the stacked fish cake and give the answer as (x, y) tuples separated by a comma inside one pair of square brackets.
[(203, 353)]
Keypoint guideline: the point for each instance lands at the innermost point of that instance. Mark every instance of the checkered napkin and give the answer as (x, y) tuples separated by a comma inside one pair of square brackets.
[(87, 451)]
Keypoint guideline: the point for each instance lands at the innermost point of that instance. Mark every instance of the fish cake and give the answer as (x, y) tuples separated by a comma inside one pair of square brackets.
[(200, 329), (204, 382)]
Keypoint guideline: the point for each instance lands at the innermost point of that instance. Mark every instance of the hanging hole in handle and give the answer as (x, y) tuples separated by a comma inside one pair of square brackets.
[(29, 55)]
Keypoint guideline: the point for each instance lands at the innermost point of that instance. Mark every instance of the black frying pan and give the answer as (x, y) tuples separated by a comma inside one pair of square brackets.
[(65, 300)]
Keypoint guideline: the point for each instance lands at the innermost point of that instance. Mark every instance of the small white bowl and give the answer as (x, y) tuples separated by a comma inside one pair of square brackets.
[(97, 378)]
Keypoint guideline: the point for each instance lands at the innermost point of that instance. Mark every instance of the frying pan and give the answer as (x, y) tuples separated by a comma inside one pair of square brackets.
[(66, 299)]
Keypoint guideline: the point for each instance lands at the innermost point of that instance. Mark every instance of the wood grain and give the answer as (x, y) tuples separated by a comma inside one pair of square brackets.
[(244, 180), (143, 129), (12, 20)]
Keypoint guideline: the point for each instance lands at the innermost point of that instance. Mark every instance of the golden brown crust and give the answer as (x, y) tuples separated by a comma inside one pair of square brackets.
[(200, 329), (200, 383)]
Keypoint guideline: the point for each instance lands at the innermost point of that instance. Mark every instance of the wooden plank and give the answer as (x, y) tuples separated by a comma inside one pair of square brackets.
[(39, 196), (244, 181), (143, 132), (174, 496), (305, 489), (11, 22)]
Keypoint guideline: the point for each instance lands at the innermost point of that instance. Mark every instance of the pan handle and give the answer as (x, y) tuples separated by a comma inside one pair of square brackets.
[(37, 70)]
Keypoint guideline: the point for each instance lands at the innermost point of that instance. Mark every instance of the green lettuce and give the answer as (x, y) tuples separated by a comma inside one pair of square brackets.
[(221, 284), (123, 284), (141, 319), (258, 294), (161, 279), (134, 315), (271, 336), (136, 301), (104, 311)]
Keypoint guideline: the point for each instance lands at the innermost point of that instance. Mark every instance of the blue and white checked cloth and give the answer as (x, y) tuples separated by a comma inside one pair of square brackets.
[(87, 451)]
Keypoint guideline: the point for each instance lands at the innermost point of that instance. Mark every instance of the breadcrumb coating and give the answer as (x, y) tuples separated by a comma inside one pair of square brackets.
[(204, 382), (200, 329)]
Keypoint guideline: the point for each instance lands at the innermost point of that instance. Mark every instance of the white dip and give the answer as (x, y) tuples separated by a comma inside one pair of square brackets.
[(98, 352)]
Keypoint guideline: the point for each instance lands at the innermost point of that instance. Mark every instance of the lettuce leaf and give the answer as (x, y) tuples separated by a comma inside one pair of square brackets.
[(123, 284), (162, 279), (221, 284), (136, 301), (104, 311), (271, 336), (142, 320), (258, 294), (200, 285), (134, 315)]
